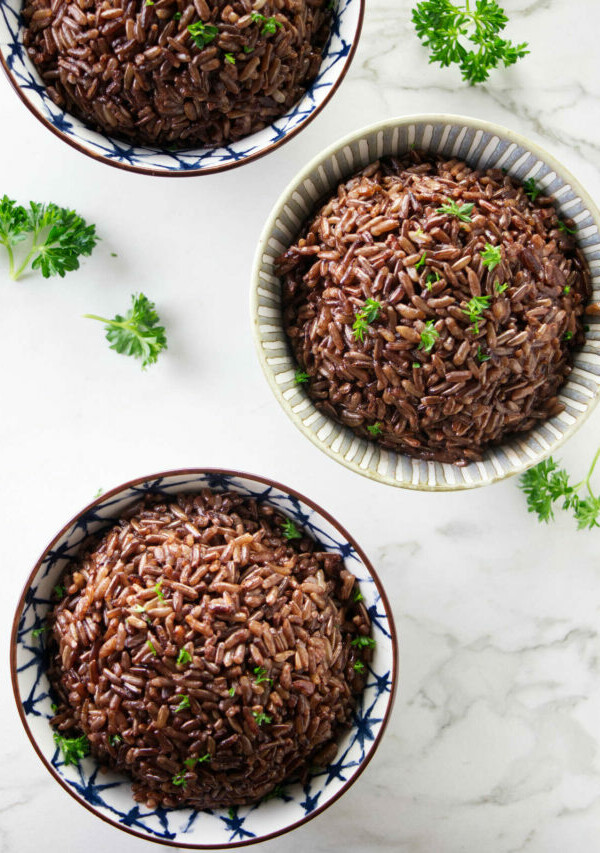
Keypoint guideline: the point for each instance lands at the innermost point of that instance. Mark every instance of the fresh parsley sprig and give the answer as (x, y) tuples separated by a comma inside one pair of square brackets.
[(491, 256), (58, 237), (546, 484), (429, 336), (72, 748), (289, 530), (202, 34), (461, 211), (467, 34), (475, 308), (364, 317), (137, 333)]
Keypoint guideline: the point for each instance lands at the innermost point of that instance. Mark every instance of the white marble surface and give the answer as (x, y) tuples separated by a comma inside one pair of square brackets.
[(493, 744)]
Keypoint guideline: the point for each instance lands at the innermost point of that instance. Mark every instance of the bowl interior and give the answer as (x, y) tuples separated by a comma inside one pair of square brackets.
[(109, 794), (483, 146), (347, 20)]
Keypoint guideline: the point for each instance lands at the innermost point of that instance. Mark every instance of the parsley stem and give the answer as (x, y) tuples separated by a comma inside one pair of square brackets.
[(589, 476), (18, 273)]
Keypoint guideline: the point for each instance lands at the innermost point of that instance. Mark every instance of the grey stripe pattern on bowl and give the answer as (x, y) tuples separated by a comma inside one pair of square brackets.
[(480, 145)]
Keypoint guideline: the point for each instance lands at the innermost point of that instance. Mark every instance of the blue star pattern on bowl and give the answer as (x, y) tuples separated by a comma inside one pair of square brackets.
[(108, 794), (337, 55)]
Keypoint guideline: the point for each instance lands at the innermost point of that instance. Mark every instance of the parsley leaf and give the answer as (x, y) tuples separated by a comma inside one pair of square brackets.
[(183, 657), (358, 596), (469, 37), (421, 262), (72, 748), (289, 529), (300, 377), (179, 780), (546, 483), (364, 317), (261, 675), (183, 705), (261, 717), (374, 429), (137, 333), (363, 642), (152, 648), (229, 57), (270, 25), (359, 666), (566, 229), (531, 189), (475, 308), (492, 256), (158, 590), (202, 34), (461, 211), (500, 288), (429, 336), (58, 237)]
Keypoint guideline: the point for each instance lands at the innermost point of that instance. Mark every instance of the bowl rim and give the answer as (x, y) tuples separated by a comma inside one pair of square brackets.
[(263, 481), (210, 170), (282, 201)]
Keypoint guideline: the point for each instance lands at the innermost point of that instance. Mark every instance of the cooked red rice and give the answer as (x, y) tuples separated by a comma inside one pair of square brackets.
[(262, 627), (482, 380), (133, 69)]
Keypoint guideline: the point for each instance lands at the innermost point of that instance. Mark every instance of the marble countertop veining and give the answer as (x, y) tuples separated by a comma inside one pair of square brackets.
[(494, 741)]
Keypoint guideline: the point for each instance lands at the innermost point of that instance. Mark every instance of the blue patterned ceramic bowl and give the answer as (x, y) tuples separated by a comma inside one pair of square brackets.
[(337, 56), (108, 795), (480, 144)]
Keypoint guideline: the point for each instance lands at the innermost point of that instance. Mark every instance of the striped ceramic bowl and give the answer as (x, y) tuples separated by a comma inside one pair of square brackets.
[(480, 144), (108, 795)]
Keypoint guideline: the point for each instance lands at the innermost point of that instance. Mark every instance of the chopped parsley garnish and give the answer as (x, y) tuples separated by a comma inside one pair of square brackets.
[(429, 336), (546, 483), (290, 531), (481, 356), (59, 590), (231, 691), (359, 666), (374, 429), (278, 792), (98, 493), (139, 608), (261, 717), (461, 211), (261, 675), (231, 813), (363, 642), (566, 229), (467, 34), (202, 34), (229, 57), (364, 317), (183, 705), (177, 16), (191, 762), (115, 740), (475, 308), (270, 25), (567, 290), (300, 377), (500, 288), (567, 336), (531, 189), (72, 748), (491, 256), (416, 364), (248, 49), (137, 333), (158, 591), (37, 632), (150, 645), (183, 657), (432, 279), (421, 262), (358, 596), (179, 780), (54, 707), (59, 237)]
